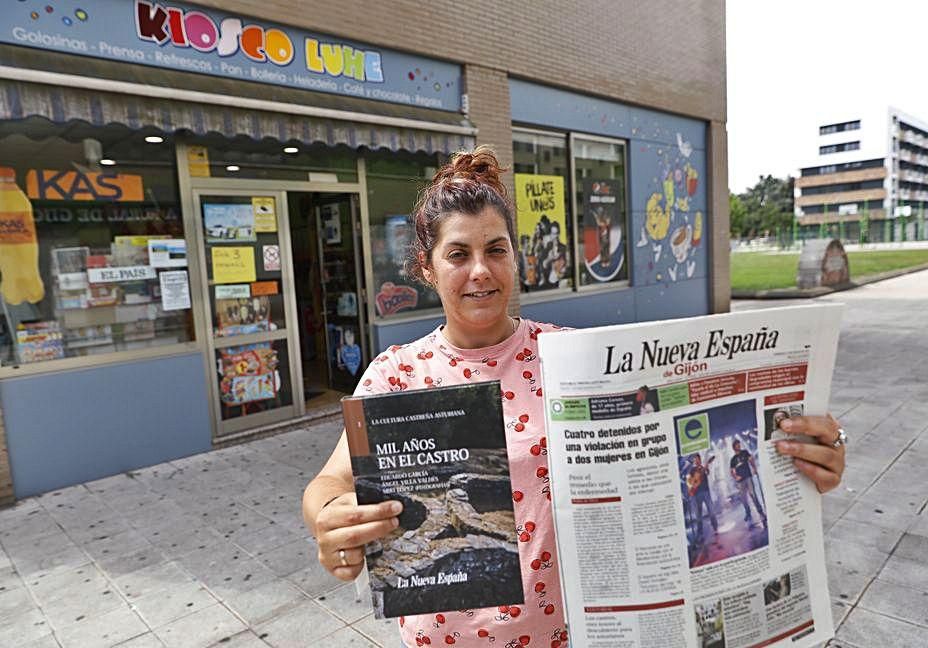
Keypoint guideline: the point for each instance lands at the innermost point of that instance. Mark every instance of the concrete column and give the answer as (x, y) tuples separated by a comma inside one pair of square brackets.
[(719, 249)]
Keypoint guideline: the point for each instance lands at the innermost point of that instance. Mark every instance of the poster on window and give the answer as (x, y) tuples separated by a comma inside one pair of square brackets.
[(331, 224), (243, 316), (167, 253), (544, 258), (229, 223), (396, 290), (603, 245), (265, 213), (198, 161), (233, 265), (345, 349), (175, 290), (249, 373), (271, 255)]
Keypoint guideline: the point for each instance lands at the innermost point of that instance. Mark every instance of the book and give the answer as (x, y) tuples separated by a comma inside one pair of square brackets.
[(442, 453)]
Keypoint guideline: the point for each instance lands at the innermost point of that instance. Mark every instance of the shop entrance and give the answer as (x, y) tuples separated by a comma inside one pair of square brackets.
[(328, 283), (283, 297)]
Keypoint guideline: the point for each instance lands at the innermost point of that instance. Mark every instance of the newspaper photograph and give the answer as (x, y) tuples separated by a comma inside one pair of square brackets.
[(678, 523)]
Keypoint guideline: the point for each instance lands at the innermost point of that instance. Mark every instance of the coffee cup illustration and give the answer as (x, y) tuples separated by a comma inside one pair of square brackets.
[(680, 242)]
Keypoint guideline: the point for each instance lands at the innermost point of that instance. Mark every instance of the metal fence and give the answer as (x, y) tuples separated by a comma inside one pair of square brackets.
[(862, 232)]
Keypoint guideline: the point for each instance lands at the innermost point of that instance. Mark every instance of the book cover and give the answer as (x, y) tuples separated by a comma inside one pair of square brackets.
[(442, 453)]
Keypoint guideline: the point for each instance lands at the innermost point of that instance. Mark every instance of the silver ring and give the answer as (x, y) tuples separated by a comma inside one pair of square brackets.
[(841, 440), (341, 557)]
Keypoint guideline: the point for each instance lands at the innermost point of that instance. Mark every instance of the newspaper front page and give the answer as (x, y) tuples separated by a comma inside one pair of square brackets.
[(678, 523)]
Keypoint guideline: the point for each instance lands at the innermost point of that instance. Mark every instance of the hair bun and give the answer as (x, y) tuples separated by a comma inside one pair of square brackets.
[(480, 166), (468, 183)]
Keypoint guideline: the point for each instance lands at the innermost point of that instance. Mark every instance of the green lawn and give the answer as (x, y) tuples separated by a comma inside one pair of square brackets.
[(761, 271)]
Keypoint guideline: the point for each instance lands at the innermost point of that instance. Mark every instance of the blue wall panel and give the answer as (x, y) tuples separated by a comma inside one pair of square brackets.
[(75, 426), (663, 128), (672, 300), (584, 310), (386, 335), (535, 104)]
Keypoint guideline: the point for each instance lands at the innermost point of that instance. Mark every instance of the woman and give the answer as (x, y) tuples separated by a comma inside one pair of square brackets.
[(465, 250)]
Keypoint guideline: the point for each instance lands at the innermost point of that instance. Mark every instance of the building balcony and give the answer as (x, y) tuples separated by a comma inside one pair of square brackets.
[(834, 217), (856, 175), (839, 197)]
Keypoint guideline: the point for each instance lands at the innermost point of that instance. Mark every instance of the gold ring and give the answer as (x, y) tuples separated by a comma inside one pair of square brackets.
[(341, 557)]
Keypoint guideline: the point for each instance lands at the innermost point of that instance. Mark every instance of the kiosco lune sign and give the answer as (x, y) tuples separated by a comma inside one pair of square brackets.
[(178, 36), (192, 28)]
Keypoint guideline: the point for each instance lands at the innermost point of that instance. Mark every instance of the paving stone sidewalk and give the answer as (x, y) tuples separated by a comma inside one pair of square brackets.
[(210, 550), (207, 550), (876, 522)]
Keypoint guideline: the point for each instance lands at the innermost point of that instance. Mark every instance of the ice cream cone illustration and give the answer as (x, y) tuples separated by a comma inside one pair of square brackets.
[(19, 246)]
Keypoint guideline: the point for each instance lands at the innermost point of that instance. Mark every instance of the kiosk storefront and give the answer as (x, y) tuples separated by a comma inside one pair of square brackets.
[(188, 258), (204, 214)]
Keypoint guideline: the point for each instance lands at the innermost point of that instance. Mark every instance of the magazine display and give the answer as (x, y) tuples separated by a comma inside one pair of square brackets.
[(442, 453), (678, 523)]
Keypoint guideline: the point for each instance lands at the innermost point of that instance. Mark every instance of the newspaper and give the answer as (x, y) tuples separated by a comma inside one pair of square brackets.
[(678, 523)]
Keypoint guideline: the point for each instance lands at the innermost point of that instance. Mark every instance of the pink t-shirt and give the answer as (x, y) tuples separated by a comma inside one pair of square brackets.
[(433, 361)]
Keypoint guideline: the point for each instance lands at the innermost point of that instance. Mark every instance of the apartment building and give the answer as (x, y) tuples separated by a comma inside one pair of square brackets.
[(866, 179)]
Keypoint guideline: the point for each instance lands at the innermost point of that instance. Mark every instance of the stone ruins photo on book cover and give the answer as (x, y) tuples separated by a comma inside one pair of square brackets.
[(442, 453)]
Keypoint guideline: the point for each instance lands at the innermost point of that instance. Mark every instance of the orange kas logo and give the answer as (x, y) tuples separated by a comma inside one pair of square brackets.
[(45, 184)]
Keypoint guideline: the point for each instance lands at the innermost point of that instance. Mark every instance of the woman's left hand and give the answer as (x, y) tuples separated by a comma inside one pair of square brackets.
[(821, 461)]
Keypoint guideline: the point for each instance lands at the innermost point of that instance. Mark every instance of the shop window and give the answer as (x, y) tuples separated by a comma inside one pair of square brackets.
[(92, 251), (215, 156), (243, 264), (393, 184), (544, 225), (600, 186)]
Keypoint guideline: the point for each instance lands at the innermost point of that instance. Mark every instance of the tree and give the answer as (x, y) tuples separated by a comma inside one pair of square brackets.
[(768, 205), (737, 215)]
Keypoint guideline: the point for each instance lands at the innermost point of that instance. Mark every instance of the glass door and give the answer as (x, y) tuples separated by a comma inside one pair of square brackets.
[(341, 275), (245, 241)]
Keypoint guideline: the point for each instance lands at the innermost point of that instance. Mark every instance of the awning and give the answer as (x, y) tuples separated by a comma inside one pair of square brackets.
[(38, 83)]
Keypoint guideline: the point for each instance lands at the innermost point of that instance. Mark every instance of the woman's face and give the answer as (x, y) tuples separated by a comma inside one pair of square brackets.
[(472, 269)]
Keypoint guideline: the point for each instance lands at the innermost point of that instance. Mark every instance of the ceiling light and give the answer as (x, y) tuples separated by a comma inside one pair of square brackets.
[(291, 149), (154, 139), (107, 162), (232, 167)]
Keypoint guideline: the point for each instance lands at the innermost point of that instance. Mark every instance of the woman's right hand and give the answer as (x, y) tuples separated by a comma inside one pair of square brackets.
[(345, 526)]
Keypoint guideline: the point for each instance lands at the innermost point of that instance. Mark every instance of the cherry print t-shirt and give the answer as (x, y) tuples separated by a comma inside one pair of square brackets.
[(432, 361)]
